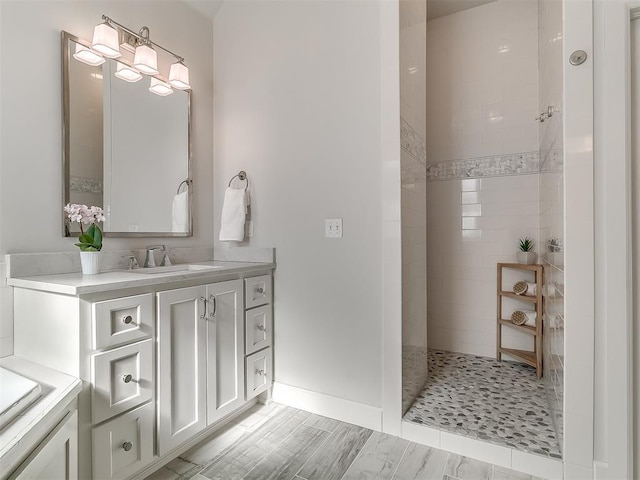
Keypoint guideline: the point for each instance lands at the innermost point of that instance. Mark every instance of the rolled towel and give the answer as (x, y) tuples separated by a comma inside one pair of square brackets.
[(524, 317), (180, 212), (525, 288), (234, 210)]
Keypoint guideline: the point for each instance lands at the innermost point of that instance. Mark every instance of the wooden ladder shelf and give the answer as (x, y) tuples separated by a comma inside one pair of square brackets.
[(533, 358)]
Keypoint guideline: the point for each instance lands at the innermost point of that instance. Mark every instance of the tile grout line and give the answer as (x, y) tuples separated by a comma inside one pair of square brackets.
[(297, 474), (401, 458), (357, 456), (445, 465), (272, 450)]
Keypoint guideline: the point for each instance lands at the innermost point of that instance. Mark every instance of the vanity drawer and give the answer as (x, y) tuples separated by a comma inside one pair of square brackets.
[(259, 372), (121, 379), (257, 329), (257, 291), (122, 320), (124, 445)]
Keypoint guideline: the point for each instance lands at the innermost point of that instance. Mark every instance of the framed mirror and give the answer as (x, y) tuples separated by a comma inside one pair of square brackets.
[(125, 149)]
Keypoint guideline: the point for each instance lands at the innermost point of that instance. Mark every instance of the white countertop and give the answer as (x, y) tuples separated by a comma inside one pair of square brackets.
[(78, 284), (58, 391)]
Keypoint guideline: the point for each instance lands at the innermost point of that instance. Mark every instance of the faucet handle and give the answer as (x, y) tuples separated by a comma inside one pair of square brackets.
[(166, 261), (133, 262)]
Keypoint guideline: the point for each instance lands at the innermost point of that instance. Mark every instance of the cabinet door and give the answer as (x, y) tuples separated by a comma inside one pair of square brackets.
[(225, 349), (181, 365), (56, 458)]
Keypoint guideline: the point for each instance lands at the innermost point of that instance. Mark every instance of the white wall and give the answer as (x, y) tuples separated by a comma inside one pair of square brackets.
[(30, 114), (298, 105), (482, 167)]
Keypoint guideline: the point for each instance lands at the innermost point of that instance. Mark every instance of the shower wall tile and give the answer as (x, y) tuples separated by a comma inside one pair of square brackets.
[(472, 225), (482, 94)]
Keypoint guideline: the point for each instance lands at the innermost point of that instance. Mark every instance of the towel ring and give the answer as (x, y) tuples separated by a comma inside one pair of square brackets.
[(242, 176), (186, 182)]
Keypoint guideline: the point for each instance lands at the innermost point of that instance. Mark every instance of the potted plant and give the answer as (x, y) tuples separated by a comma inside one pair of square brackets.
[(526, 255), (90, 240)]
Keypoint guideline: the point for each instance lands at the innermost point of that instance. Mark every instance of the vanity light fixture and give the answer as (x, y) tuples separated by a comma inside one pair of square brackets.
[(145, 58), (160, 88), (127, 73), (88, 56), (106, 43), (105, 40), (179, 76)]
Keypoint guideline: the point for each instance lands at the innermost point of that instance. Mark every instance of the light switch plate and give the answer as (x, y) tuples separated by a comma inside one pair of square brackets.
[(333, 228)]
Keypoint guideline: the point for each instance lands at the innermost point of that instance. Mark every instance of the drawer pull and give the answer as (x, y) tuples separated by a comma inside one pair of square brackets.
[(127, 378), (261, 328), (127, 319), (262, 373), (204, 302), (212, 299), (126, 446), (260, 290)]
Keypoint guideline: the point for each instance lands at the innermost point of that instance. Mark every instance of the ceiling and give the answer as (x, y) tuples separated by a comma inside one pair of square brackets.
[(441, 8), (208, 8)]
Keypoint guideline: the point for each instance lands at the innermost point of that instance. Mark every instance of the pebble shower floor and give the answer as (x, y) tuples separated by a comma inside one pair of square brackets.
[(479, 397)]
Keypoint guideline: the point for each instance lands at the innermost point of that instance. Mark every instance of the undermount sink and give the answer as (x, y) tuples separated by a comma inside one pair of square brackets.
[(187, 267)]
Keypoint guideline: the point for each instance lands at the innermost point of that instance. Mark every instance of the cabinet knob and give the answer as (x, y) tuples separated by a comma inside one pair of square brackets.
[(261, 328), (127, 378), (262, 373), (127, 319), (260, 290), (127, 446)]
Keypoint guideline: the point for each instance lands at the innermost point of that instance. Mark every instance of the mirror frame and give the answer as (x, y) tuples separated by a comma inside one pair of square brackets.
[(66, 38)]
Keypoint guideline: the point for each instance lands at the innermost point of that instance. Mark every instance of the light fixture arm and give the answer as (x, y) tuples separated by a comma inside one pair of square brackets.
[(142, 36)]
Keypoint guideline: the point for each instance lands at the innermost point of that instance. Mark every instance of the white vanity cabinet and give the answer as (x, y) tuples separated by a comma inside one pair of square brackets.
[(200, 359), (56, 457), (258, 339), (162, 363)]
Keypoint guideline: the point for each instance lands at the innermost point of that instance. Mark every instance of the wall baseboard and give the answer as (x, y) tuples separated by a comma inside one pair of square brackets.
[(600, 470), (329, 406)]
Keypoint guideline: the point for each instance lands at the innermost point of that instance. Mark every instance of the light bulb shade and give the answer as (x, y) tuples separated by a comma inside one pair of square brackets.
[(146, 60), (105, 40), (127, 73), (179, 76), (88, 56), (160, 88)]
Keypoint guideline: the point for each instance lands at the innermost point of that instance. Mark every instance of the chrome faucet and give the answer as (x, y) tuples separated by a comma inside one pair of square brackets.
[(150, 259)]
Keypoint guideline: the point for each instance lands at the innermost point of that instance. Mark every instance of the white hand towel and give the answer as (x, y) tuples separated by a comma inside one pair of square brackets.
[(180, 212), (234, 210)]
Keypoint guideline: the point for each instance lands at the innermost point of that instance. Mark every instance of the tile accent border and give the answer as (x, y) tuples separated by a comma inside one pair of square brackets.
[(412, 143), (86, 185), (526, 163)]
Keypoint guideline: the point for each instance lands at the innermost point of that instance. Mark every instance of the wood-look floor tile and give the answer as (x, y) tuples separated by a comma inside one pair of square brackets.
[(176, 468), (467, 468), (245, 454), (290, 455), (206, 452), (333, 459), (500, 473), (421, 462), (323, 423), (378, 459)]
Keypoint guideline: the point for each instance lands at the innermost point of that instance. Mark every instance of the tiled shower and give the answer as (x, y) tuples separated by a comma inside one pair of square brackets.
[(492, 174)]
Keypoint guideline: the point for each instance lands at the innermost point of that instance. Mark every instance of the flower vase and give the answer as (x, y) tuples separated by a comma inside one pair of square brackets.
[(90, 262), (527, 258)]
